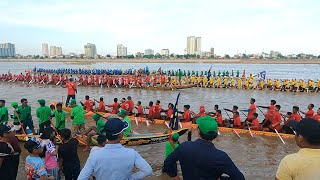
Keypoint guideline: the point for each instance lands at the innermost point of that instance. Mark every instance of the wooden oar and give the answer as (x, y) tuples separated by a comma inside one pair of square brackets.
[(236, 132), (279, 136), (249, 129), (23, 131)]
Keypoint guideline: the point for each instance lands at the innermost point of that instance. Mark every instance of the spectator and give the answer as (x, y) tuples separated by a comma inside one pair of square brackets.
[(115, 161)]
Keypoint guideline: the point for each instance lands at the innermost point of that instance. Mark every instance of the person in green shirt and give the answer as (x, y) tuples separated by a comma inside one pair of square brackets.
[(14, 105), (77, 116), (94, 130), (60, 116), (172, 144), (44, 114), (4, 117), (24, 112), (180, 76), (123, 114)]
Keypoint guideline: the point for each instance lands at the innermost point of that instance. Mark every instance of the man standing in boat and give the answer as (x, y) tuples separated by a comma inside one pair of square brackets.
[(72, 90)]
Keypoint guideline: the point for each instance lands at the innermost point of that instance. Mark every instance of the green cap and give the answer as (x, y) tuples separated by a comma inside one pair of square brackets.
[(96, 117), (175, 137), (73, 101), (206, 124), (42, 102), (14, 104), (122, 112)]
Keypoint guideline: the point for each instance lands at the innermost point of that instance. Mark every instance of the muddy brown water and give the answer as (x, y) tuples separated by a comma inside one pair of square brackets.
[(257, 157)]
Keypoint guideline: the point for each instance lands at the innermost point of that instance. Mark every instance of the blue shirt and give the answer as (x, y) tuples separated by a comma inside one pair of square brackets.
[(35, 167), (201, 160), (115, 162)]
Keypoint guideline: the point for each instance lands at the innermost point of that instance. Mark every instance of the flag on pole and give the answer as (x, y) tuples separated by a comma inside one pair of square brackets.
[(159, 70), (262, 75), (209, 73), (174, 121)]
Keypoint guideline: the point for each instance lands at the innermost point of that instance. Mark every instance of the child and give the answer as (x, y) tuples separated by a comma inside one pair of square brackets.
[(68, 155), (102, 140), (50, 153), (60, 116), (34, 166)]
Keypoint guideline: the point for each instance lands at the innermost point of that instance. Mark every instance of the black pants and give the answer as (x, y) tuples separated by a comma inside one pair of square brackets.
[(44, 125), (287, 129), (70, 97), (72, 172)]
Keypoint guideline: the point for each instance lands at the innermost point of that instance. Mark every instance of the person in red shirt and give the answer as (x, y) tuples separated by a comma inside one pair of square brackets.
[(130, 104), (147, 80), (275, 121), (294, 116), (310, 112), (236, 120), (252, 109), (169, 111), (254, 123), (317, 116), (269, 115), (114, 106), (151, 111), (157, 110), (139, 109), (219, 118), (72, 90), (102, 107), (202, 112), (186, 114), (88, 104), (124, 105)]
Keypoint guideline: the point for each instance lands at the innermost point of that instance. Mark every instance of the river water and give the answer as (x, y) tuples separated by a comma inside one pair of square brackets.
[(256, 157)]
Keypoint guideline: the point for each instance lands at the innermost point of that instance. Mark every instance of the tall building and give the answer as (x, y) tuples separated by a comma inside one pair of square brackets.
[(211, 51), (149, 52), (164, 52), (53, 50), (90, 50), (121, 50), (7, 50), (45, 49), (193, 45), (58, 51)]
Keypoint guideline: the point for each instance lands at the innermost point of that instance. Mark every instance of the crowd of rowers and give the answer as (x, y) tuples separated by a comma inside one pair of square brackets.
[(165, 80)]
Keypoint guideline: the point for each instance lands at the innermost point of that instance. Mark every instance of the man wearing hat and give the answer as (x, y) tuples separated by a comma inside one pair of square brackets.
[(9, 153), (77, 116), (123, 115), (172, 144), (44, 115), (114, 161), (200, 159), (306, 162), (3, 112), (94, 130)]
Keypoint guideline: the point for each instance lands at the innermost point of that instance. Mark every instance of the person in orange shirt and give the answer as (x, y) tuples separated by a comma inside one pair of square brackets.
[(252, 109), (219, 118), (310, 112), (169, 111), (147, 80), (124, 104), (115, 106), (202, 112), (317, 116), (102, 107), (269, 115), (254, 123), (139, 109), (72, 90), (157, 110), (186, 114), (162, 80), (130, 104), (151, 111), (275, 121), (294, 116), (236, 120), (88, 104)]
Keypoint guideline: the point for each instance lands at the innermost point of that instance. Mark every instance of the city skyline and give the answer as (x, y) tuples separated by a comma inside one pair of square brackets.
[(234, 26)]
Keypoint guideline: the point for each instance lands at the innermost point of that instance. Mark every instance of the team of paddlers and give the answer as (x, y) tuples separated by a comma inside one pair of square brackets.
[(179, 79)]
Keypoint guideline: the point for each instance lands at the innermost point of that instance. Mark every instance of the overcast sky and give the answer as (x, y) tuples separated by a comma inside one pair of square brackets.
[(230, 26)]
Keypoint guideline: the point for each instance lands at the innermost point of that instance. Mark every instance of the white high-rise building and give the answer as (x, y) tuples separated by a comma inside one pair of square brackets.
[(90, 50), (7, 50), (164, 52), (121, 50), (193, 45), (53, 50), (58, 51), (149, 52), (45, 49)]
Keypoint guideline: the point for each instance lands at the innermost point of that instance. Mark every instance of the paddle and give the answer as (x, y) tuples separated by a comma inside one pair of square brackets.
[(23, 131), (229, 124), (249, 129), (279, 136)]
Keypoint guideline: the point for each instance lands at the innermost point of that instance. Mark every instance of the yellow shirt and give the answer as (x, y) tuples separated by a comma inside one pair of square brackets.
[(301, 165)]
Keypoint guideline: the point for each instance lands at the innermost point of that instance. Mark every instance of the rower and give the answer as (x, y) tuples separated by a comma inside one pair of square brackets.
[(88, 104), (4, 117), (114, 106), (268, 116), (202, 112), (92, 131), (169, 111), (130, 104), (102, 106), (124, 104), (317, 116), (275, 121), (43, 113), (151, 111), (219, 118), (157, 110), (123, 116), (139, 109), (254, 123), (186, 114), (294, 116), (252, 109), (310, 112)]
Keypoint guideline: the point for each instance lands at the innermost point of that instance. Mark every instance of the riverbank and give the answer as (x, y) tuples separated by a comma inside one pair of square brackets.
[(210, 61)]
